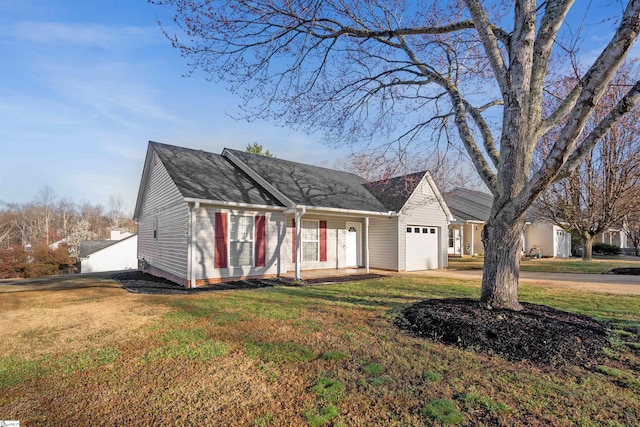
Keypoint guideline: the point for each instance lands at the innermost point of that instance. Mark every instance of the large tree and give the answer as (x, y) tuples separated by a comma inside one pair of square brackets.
[(631, 225), (366, 68), (601, 192)]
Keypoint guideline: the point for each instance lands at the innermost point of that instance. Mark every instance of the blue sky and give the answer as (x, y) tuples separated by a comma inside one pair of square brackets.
[(84, 85)]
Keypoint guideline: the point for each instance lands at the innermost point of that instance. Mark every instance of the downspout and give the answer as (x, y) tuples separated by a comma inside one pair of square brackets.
[(193, 244), (366, 248)]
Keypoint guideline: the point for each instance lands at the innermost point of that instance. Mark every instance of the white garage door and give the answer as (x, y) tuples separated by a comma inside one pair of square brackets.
[(422, 247)]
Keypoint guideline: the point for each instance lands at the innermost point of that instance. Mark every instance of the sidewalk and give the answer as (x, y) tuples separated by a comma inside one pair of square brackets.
[(608, 283)]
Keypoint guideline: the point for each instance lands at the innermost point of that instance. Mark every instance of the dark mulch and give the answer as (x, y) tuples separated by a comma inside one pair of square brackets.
[(630, 271), (538, 333), (143, 283)]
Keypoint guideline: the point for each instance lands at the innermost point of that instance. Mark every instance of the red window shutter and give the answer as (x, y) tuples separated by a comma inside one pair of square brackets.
[(261, 242), (323, 241), (293, 240), (220, 258)]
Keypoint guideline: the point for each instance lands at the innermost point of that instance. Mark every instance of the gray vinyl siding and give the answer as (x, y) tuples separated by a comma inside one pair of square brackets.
[(422, 208), (205, 245), (336, 240), (383, 243), (163, 202)]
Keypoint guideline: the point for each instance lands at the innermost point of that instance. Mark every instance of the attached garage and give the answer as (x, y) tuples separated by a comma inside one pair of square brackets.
[(422, 247)]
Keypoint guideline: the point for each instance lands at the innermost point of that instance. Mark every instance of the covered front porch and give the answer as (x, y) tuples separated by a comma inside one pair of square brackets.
[(328, 243), (465, 238)]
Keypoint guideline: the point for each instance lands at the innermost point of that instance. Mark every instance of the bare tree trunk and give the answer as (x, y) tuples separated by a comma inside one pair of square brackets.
[(587, 254), (502, 241)]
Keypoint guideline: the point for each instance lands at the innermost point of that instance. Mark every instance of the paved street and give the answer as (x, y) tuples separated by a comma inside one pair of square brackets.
[(610, 283)]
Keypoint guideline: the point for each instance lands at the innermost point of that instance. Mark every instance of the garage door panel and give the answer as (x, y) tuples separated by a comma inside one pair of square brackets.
[(422, 248)]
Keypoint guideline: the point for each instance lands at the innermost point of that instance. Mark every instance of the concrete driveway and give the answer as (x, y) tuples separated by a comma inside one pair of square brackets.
[(609, 283)]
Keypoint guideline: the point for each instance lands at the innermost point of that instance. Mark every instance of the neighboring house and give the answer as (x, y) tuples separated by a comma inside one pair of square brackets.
[(471, 210), (109, 255), (614, 236), (119, 234), (205, 218), (56, 245)]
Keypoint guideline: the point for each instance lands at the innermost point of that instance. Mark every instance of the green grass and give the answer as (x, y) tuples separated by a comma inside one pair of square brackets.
[(329, 389), (334, 355), (599, 265), (86, 360), (444, 411), (15, 371), (203, 351), (283, 352), (612, 372), (185, 336), (476, 400), (322, 355), (373, 369), (431, 376), (320, 416)]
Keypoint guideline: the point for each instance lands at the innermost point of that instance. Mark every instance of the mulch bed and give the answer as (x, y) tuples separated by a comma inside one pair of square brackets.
[(538, 333), (630, 271), (142, 283)]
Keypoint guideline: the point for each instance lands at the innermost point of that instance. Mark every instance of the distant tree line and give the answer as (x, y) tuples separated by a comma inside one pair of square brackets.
[(42, 237)]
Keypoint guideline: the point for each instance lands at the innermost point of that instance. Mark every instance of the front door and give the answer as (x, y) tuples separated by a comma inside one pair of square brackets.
[(353, 244)]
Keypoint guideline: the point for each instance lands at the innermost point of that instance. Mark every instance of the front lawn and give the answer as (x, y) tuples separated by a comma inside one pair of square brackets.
[(554, 265), (292, 356)]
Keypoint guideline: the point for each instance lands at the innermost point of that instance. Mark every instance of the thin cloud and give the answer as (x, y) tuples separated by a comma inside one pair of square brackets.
[(87, 35)]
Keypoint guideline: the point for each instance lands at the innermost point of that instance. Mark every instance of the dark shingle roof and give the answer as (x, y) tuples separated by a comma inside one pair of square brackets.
[(207, 176), (90, 246), (393, 193), (202, 175), (469, 205), (313, 186)]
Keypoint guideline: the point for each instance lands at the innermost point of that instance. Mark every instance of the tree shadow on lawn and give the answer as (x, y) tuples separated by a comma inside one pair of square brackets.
[(59, 283), (539, 334), (362, 299)]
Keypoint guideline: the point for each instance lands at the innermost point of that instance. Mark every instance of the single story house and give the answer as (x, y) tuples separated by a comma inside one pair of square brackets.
[(109, 255), (205, 218), (614, 236), (471, 210)]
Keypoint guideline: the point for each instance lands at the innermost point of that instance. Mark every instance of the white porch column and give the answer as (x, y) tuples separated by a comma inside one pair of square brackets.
[(298, 243), (366, 250), (461, 240), (473, 243)]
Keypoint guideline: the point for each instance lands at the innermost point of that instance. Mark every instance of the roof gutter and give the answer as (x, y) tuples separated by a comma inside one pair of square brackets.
[(388, 214), (234, 204), (468, 221)]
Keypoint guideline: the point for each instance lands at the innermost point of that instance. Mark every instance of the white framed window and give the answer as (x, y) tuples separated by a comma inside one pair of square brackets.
[(241, 232), (310, 240)]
